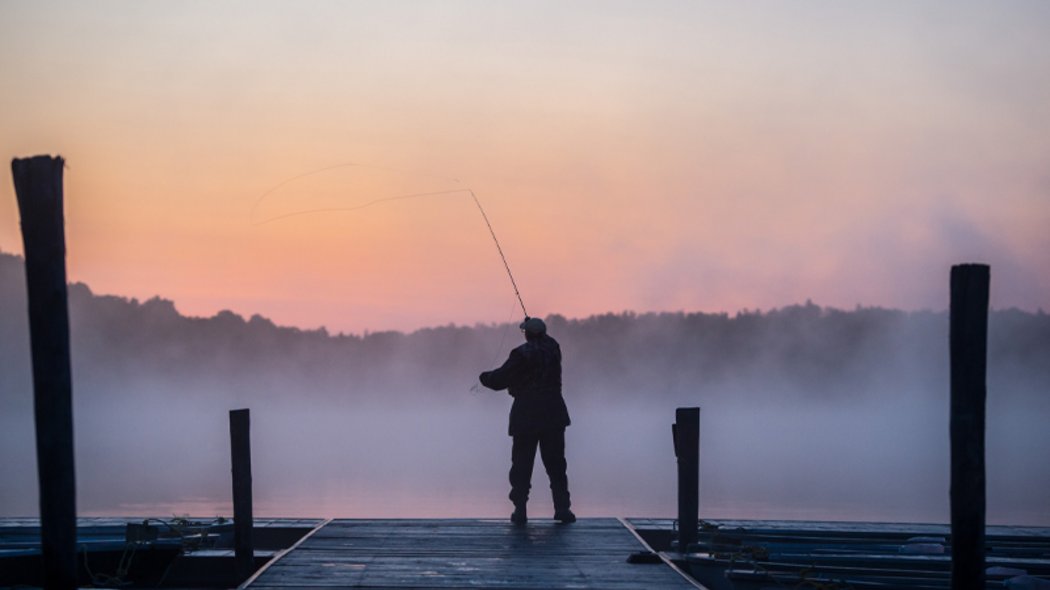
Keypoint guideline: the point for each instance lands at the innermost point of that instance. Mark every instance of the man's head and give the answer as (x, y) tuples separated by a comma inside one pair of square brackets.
[(533, 328)]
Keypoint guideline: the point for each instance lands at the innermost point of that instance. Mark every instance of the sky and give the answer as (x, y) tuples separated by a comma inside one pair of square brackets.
[(647, 156)]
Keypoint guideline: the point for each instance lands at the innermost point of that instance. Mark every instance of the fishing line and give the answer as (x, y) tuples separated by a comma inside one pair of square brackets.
[(507, 325), (484, 216), (356, 207), (286, 181)]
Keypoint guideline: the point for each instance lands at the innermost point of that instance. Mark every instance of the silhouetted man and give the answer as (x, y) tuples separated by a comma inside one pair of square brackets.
[(538, 416)]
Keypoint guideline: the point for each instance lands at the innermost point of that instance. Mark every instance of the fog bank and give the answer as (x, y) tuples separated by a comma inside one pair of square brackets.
[(806, 413)]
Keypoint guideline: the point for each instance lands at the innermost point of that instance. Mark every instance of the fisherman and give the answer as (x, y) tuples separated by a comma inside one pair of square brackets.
[(538, 417)]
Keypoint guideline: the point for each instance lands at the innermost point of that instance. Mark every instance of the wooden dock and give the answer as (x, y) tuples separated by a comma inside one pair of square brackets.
[(468, 553)]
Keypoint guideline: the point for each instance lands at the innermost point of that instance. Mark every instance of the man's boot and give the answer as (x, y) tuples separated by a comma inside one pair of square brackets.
[(564, 516), (562, 513), (520, 516)]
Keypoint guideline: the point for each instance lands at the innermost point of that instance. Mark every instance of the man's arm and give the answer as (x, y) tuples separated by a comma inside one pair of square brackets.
[(506, 375)]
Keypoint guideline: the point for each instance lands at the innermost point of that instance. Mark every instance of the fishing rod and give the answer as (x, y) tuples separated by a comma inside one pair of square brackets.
[(513, 283)]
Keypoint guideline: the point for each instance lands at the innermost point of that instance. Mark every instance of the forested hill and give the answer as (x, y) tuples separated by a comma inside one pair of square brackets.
[(125, 347)]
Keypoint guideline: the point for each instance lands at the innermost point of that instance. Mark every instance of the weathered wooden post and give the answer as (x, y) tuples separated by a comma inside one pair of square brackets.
[(240, 447), (968, 335), (38, 189), (686, 432)]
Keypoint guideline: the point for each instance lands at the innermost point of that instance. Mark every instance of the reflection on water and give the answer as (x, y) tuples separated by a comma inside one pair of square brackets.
[(880, 462)]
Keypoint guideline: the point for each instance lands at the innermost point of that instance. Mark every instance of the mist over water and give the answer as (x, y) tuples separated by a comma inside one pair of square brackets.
[(873, 461), (806, 413)]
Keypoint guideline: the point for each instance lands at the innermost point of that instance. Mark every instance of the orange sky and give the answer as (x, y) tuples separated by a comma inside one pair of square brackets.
[(644, 156)]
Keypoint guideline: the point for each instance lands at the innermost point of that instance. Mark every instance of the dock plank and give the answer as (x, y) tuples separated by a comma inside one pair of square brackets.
[(467, 553)]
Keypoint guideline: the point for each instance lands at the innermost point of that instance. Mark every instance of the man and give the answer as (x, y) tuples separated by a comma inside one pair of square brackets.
[(538, 417)]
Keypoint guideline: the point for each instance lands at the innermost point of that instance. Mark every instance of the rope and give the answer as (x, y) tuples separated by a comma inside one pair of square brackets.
[(119, 578)]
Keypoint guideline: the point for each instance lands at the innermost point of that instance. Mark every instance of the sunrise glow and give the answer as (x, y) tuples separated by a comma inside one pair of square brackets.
[(658, 156)]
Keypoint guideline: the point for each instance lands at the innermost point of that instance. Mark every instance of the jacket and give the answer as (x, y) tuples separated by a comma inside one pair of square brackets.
[(532, 376)]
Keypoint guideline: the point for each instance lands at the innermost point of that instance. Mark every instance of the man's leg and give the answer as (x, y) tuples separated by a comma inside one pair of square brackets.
[(522, 458), (552, 451)]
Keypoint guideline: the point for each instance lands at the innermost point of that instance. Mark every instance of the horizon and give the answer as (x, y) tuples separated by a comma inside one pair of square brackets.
[(660, 157), (248, 315)]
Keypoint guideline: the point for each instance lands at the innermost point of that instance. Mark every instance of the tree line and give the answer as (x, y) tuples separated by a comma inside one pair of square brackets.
[(805, 350)]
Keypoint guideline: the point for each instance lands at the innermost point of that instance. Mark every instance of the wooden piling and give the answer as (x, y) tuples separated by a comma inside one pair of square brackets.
[(38, 189), (968, 335), (686, 432), (240, 447)]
